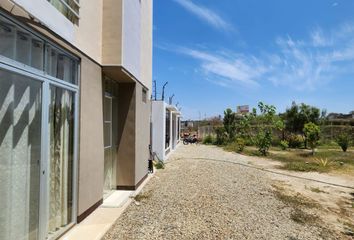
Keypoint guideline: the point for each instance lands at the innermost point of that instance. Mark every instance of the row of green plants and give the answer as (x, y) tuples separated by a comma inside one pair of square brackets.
[(299, 127)]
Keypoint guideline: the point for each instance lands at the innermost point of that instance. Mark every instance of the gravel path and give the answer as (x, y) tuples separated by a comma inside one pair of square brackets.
[(201, 199)]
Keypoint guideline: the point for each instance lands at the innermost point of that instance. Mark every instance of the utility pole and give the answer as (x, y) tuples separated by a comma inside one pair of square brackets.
[(155, 97), (163, 91), (170, 100)]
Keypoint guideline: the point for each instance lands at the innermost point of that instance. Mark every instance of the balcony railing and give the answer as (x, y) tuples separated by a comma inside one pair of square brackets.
[(69, 8)]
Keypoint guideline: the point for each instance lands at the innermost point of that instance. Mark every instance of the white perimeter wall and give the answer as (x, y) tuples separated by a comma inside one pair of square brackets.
[(158, 128)]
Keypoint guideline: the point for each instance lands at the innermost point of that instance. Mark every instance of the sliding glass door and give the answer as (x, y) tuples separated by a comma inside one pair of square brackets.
[(108, 146), (110, 125), (20, 155), (25, 173), (61, 127), (38, 122)]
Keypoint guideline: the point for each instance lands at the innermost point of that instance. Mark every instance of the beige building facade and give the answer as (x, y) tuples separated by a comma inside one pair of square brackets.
[(75, 82)]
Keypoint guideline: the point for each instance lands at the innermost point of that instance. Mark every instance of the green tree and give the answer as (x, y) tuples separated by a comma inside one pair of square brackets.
[(266, 121), (243, 126), (297, 116), (264, 141), (280, 125), (230, 123), (312, 133)]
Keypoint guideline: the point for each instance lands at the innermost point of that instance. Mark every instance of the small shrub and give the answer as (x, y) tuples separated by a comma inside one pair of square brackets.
[(264, 141), (230, 147), (295, 140), (324, 162), (159, 165), (343, 140), (208, 140), (312, 133), (284, 144), (240, 142), (221, 136)]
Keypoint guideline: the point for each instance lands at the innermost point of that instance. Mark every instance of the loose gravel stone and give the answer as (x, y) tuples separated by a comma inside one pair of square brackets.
[(202, 199)]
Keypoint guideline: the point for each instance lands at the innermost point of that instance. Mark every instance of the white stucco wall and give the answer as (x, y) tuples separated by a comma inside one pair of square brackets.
[(131, 39), (158, 128)]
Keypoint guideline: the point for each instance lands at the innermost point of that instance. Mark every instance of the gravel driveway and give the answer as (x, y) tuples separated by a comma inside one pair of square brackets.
[(202, 199)]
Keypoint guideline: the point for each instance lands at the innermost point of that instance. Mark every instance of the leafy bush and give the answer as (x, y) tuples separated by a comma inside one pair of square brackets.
[(208, 140), (343, 140), (312, 134), (249, 141), (284, 144), (264, 141), (295, 140), (221, 136), (240, 142)]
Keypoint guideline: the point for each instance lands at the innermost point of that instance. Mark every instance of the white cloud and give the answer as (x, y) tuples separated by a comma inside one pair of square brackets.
[(231, 70), (319, 40), (298, 66), (310, 63), (304, 64), (205, 14)]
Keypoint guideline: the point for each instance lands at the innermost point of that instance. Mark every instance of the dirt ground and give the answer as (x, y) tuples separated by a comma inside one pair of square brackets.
[(205, 192), (337, 203)]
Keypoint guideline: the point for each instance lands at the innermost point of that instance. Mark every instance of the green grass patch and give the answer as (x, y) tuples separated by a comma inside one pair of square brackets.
[(231, 147), (316, 190), (142, 196), (303, 167), (294, 200), (323, 161), (301, 160), (299, 216), (298, 203)]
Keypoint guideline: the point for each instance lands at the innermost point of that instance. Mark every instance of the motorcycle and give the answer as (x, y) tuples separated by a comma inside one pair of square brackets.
[(190, 140)]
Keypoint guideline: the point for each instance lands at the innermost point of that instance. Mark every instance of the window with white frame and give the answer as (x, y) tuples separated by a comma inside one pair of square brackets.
[(19, 44)]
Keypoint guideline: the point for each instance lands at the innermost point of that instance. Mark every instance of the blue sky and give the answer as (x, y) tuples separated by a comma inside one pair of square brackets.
[(217, 54)]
